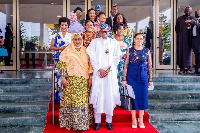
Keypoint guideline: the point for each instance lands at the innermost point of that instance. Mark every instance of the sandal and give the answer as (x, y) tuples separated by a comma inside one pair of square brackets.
[(180, 72), (188, 72)]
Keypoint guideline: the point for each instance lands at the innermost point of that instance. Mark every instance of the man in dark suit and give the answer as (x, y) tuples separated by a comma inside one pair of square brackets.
[(113, 12), (196, 39)]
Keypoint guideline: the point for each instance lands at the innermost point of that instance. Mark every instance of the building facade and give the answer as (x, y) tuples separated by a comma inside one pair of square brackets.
[(36, 21)]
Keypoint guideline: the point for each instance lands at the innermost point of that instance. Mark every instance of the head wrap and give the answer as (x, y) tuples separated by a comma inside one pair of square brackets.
[(98, 7), (75, 27), (104, 26)]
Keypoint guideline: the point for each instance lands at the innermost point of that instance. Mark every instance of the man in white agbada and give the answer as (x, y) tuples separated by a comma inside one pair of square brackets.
[(104, 55)]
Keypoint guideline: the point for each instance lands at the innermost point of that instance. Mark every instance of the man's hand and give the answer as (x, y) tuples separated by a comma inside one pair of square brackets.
[(188, 21), (107, 71), (102, 73)]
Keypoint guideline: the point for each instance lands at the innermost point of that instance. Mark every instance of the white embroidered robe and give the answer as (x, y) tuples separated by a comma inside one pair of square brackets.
[(104, 91)]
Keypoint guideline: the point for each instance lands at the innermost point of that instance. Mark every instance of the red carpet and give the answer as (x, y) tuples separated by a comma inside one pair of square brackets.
[(121, 123)]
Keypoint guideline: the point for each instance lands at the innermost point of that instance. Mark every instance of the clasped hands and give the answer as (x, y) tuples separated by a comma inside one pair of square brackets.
[(104, 73), (188, 21)]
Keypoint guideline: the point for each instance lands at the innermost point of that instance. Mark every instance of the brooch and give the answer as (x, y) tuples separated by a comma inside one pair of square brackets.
[(107, 51)]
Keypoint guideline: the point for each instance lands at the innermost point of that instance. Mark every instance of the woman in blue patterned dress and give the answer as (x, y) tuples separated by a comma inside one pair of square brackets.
[(124, 43), (138, 75), (59, 43)]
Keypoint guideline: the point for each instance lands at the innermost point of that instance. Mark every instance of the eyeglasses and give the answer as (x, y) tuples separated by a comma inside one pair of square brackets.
[(77, 39), (139, 39)]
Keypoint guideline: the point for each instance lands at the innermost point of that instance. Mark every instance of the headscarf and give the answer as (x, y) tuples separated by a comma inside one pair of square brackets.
[(78, 63), (75, 26)]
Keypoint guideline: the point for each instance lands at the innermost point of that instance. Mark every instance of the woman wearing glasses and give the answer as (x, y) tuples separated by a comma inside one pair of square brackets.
[(138, 74), (76, 73)]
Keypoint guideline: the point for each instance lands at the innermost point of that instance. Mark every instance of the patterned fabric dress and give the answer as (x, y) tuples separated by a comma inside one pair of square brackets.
[(75, 111), (87, 38), (59, 42), (137, 76), (129, 33), (2, 63), (120, 66), (82, 21)]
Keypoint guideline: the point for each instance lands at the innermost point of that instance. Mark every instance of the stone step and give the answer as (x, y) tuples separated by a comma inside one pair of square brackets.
[(19, 119), (177, 86), (177, 126), (23, 129), (177, 79), (173, 95), (192, 104), (25, 87), (25, 80), (25, 96), (174, 115), (6, 107)]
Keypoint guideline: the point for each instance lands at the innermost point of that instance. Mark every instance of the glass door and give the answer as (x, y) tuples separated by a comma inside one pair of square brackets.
[(139, 16), (164, 34), (7, 34)]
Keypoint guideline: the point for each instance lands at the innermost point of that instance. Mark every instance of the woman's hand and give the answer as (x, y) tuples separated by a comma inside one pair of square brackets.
[(90, 82), (64, 82), (124, 83), (63, 47), (150, 83), (2, 41), (124, 56)]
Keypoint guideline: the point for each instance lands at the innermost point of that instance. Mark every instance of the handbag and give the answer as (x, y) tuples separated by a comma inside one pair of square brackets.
[(126, 100), (3, 52), (150, 88)]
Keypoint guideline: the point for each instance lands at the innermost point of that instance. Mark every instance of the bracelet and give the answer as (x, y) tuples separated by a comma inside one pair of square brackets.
[(150, 81), (123, 80)]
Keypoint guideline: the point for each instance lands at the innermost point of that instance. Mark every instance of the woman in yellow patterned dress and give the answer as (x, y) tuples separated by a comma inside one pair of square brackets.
[(76, 73)]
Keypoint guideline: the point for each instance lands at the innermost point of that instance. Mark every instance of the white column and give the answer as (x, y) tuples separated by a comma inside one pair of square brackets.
[(41, 34), (137, 27), (8, 13)]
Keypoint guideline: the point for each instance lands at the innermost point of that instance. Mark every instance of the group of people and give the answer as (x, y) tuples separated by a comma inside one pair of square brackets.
[(188, 38), (95, 59)]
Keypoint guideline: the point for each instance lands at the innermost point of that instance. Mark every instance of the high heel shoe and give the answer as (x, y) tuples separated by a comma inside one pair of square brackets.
[(134, 126), (142, 125)]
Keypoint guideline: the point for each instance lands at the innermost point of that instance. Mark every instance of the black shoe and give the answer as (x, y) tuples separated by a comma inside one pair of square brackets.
[(96, 126), (1, 71), (109, 126), (196, 73)]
